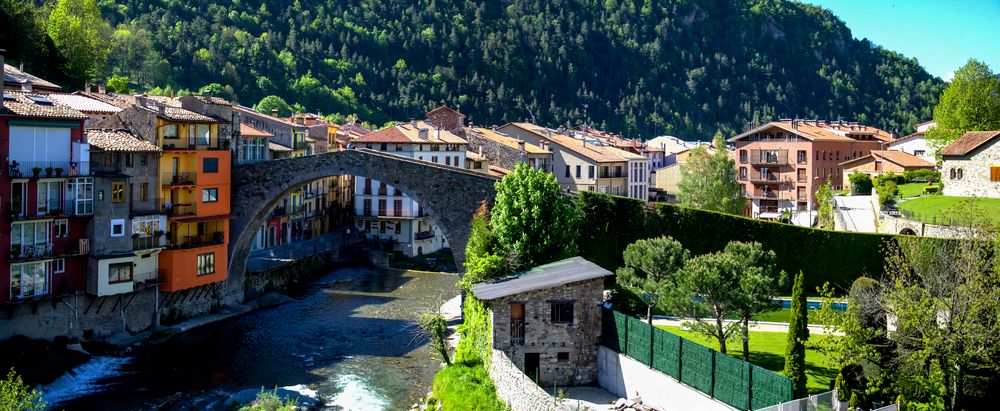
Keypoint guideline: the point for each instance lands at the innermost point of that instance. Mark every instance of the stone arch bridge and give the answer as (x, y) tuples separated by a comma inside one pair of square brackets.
[(450, 195)]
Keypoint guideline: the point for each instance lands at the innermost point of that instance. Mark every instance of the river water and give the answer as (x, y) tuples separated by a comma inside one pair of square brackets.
[(348, 336)]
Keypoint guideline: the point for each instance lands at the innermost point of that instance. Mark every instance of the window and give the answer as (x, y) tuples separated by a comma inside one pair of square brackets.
[(382, 207), (952, 174), (456, 162), (399, 228), (960, 172), (30, 238), (567, 170), (117, 192), (29, 280), (60, 228), (59, 266), (119, 273), (80, 195), (434, 159), (578, 168), (145, 226), (397, 208), (743, 173), (384, 147), (143, 191), (210, 165), (367, 204), (209, 195), (143, 160), (476, 165), (919, 153), (562, 312), (562, 356), (206, 263), (994, 173), (590, 171), (117, 228), (170, 131), (802, 157), (204, 134), (447, 161), (48, 197)]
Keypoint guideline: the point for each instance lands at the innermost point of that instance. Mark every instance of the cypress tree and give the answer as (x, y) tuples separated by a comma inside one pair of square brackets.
[(798, 334)]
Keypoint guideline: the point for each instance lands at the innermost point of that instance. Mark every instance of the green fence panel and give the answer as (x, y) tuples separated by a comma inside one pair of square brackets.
[(732, 381), (696, 366), (667, 353), (769, 388), (621, 321), (639, 345)]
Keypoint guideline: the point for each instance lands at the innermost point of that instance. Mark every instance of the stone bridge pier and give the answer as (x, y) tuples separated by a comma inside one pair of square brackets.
[(450, 196)]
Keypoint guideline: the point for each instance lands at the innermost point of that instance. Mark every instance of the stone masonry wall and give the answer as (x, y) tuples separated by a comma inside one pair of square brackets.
[(541, 336), (499, 154), (515, 388), (975, 181)]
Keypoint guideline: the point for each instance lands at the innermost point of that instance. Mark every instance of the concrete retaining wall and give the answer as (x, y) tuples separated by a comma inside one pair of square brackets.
[(515, 388), (628, 378)]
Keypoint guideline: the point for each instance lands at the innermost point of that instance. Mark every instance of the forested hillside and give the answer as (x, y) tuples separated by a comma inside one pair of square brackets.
[(682, 67)]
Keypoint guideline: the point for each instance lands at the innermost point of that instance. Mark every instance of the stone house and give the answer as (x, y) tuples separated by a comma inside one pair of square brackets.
[(547, 320), (507, 151), (446, 118), (970, 165)]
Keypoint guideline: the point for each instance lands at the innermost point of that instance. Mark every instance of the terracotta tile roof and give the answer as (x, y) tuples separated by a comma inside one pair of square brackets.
[(822, 131), (246, 130), (84, 104), (118, 140), (499, 171), (597, 153), (445, 109), (251, 112), (474, 156), (509, 141), (969, 142), (410, 133), (350, 131), (211, 99), (180, 114), (171, 109), (14, 77), (901, 158), (19, 104)]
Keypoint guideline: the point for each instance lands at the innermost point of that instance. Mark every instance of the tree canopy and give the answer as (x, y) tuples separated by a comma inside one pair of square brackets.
[(708, 180), (651, 270), (532, 218), (971, 102), (82, 35)]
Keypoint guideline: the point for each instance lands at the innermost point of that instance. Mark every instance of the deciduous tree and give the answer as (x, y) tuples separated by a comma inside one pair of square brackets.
[(971, 102), (708, 181), (651, 270), (82, 36), (270, 103), (15, 396), (533, 218)]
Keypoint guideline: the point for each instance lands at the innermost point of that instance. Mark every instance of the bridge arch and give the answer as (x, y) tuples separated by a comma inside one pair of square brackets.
[(449, 195)]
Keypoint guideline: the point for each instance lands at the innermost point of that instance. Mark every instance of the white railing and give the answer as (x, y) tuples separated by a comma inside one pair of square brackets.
[(826, 401)]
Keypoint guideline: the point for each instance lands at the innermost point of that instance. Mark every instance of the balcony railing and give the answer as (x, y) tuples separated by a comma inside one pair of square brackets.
[(147, 242), (424, 235), (768, 157), (47, 169), (177, 209), (195, 241), (185, 178), (28, 252), (516, 332), (767, 195)]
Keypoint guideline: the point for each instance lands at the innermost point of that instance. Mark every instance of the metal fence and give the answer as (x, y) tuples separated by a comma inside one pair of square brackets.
[(724, 378)]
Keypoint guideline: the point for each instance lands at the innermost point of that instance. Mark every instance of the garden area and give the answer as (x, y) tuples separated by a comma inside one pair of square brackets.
[(767, 350), (941, 209)]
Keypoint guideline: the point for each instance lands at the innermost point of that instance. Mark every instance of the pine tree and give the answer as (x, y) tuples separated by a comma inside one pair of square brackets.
[(798, 334)]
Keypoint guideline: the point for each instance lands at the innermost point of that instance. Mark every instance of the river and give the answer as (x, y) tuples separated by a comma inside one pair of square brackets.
[(348, 336)]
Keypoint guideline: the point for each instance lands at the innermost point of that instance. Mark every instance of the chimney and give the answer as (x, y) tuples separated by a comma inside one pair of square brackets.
[(437, 133), (795, 124), (520, 145), (100, 88), (26, 86), (480, 150), (86, 87), (162, 109), (274, 112)]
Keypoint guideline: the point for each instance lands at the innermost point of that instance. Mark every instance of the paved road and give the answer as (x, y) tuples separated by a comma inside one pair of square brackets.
[(857, 212)]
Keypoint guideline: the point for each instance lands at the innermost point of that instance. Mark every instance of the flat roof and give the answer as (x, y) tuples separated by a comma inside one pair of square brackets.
[(551, 275)]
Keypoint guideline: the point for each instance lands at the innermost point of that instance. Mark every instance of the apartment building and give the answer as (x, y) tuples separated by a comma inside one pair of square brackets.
[(506, 152), (386, 214), (49, 191), (128, 227), (283, 132), (782, 163), (585, 164)]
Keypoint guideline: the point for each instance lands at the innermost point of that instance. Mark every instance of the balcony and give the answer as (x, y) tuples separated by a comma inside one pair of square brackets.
[(767, 157), (424, 235), (177, 209), (195, 241), (147, 242), (766, 195), (27, 252), (767, 178), (182, 179), (516, 332), (47, 169)]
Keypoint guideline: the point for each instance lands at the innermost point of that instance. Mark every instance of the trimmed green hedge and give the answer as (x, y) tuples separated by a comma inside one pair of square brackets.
[(608, 224)]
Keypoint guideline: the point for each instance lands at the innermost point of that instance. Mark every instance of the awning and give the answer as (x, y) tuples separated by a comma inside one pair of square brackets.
[(769, 215)]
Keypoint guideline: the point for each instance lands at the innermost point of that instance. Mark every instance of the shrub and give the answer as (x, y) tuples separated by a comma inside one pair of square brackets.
[(922, 175), (466, 386), (270, 401), (15, 395), (861, 183), (887, 192)]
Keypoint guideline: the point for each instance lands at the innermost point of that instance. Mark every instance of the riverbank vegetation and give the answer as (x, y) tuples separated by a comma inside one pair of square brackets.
[(16, 396)]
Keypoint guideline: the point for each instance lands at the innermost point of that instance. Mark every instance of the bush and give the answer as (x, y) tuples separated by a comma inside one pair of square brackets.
[(861, 183), (269, 401), (887, 192), (466, 386), (890, 177), (15, 395), (923, 175)]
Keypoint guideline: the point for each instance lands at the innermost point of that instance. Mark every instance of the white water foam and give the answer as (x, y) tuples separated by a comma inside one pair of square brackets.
[(82, 380), (356, 395)]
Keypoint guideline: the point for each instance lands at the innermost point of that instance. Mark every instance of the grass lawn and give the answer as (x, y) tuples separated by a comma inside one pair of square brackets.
[(465, 386), (940, 208), (911, 189), (767, 350)]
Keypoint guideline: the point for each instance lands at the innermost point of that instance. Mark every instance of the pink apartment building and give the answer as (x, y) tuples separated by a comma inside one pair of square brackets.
[(781, 163)]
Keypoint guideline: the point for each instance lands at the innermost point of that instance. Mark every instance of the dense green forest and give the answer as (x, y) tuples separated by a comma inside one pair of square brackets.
[(681, 67)]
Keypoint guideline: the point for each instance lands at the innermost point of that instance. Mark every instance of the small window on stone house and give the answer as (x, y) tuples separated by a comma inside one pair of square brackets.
[(562, 312), (562, 357)]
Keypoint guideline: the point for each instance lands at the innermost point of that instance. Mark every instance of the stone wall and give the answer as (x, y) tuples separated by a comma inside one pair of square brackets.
[(500, 155), (975, 181), (578, 339), (280, 278), (515, 388)]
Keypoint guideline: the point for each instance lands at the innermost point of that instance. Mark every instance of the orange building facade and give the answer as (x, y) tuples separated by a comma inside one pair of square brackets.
[(195, 195)]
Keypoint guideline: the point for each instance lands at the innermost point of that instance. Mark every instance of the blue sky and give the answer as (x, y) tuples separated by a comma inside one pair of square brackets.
[(941, 34)]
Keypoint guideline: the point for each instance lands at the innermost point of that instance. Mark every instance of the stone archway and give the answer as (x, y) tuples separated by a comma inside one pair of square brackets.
[(907, 231), (449, 195)]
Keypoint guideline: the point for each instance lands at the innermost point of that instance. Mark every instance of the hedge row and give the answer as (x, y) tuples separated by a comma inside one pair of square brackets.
[(609, 224)]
